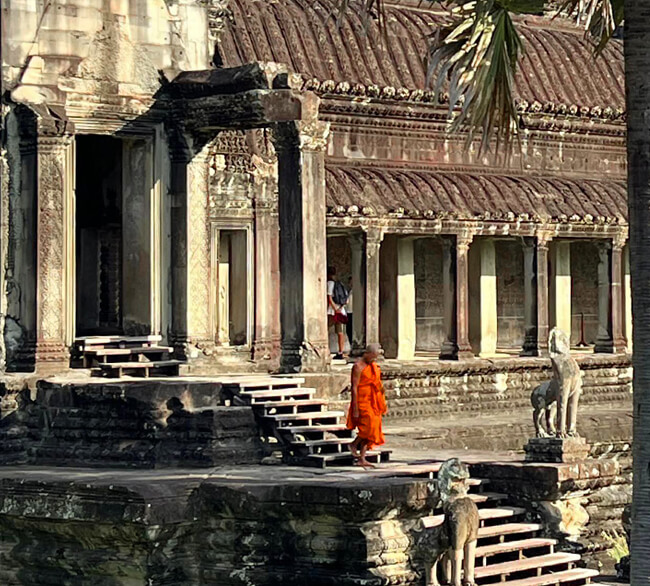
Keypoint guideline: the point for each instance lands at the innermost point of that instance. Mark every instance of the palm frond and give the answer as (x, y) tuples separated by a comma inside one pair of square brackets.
[(476, 57), (600, 18)]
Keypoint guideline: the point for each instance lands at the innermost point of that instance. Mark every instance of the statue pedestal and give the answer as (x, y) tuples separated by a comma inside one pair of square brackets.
[(557, 450)]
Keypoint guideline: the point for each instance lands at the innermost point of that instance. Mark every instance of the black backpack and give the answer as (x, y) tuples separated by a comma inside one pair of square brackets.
[(340, 294)]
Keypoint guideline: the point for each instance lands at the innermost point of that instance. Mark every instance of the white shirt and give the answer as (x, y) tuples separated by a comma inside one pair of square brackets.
[(330, 293)]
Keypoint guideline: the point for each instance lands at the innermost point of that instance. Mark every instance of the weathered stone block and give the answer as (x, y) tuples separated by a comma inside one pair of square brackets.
[(559, 450)]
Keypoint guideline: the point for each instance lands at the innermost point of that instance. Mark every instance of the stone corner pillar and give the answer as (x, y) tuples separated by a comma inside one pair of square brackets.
[(536, 295), (449, 348), (604, 342), (266, 333), (406, 312), (374, 238), (193, 332), (300, 147), (560, 286), (55, 271), (618, 308), (463, 242)]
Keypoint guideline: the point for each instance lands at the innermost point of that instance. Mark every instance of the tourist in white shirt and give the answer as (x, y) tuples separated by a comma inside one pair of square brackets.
[(336, 314)]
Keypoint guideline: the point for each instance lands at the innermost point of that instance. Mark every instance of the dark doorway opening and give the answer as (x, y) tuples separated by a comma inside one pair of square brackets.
[(98, 235)]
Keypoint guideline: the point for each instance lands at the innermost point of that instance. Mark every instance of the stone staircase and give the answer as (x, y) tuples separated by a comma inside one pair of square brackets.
[(510, 549), (114, 356), (297, 423)]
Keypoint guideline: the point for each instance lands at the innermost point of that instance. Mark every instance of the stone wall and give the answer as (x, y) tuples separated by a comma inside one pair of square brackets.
[(510, 294), (584, 291), (134, 425), (430, 330), (133, 529)]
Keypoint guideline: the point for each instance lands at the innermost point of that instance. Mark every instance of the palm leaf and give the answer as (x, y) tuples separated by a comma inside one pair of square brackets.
[(476, 56), (600, 18)]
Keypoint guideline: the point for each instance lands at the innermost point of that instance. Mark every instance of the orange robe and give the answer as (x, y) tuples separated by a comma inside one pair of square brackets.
[(372, 405)]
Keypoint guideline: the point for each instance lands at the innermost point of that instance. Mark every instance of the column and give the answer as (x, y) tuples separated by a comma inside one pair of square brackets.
[(449, 349), (193, 330), (137, 238), (628, 299), (604, 341), (303, 251), (462, 296), (536, 295), (618, 295), (266, 343), (483, 299), (358, 269), (560, 286), (406, 320), (55, 285), (374, 237)]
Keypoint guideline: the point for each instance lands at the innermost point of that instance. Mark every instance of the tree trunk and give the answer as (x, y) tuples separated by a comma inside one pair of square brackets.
[(637, 68)]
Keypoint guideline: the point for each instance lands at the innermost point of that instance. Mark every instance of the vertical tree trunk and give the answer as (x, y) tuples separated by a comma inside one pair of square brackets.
[(637, 72)]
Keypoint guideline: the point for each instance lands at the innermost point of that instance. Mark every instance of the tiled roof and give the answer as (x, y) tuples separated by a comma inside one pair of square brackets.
[(303, 34), (426, 194)]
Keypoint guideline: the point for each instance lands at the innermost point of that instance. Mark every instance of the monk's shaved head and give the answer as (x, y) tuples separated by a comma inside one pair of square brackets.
[(373, 349)]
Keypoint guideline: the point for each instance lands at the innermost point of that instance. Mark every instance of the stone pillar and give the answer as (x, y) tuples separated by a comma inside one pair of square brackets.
[(628, 300), (55, 286), (560, 286), (303, 251), (193, 331), (266, 343), (358, 270), (406, 321), (449, 349), (462, 296), (137, 238), (374, 237), (604, 341), (536, 296), (483, 299), (618, 296)]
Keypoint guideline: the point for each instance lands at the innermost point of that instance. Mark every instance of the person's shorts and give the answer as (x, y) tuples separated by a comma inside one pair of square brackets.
[(339, 328)]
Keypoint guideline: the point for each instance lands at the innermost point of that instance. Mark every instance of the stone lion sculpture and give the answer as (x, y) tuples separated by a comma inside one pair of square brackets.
[(459, 534), (558, 398)]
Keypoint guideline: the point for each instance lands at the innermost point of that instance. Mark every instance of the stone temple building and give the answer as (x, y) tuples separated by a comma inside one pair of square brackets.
[(177, 175), (190, 168)]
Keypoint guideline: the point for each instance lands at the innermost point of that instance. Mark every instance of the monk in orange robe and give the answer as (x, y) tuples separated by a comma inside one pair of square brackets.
[(367, 405)]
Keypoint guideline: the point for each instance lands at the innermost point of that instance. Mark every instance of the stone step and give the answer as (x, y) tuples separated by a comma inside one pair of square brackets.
[(487, 551), (505, 569), (257, 397), (314, 429), (344, 458), (286, 420), (87, 342), (103, 355), (507, 529), (484, 515), (265, 383), (574, 576), (287, 407), (146, 369)]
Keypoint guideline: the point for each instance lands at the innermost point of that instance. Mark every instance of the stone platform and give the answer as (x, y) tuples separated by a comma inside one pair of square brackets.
[(253, 525)]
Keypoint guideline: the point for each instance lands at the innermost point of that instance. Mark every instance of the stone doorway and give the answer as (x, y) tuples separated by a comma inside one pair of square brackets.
[(113, 232), (233, 286)]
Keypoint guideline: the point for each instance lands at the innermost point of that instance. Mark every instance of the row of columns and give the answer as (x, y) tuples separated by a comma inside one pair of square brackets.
[(547, 297)]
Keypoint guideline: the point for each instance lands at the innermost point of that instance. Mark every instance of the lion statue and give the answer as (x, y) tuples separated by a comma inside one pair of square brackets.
[(558, 398)]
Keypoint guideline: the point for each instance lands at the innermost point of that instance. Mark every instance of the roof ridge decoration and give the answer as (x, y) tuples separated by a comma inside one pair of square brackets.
[(330, 88)]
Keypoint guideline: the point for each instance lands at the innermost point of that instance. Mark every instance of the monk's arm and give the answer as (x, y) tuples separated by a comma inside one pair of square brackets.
[(356, 375)]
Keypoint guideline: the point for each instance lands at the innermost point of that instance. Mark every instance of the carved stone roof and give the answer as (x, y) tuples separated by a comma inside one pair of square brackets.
[(409, 193), (303, 34)]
